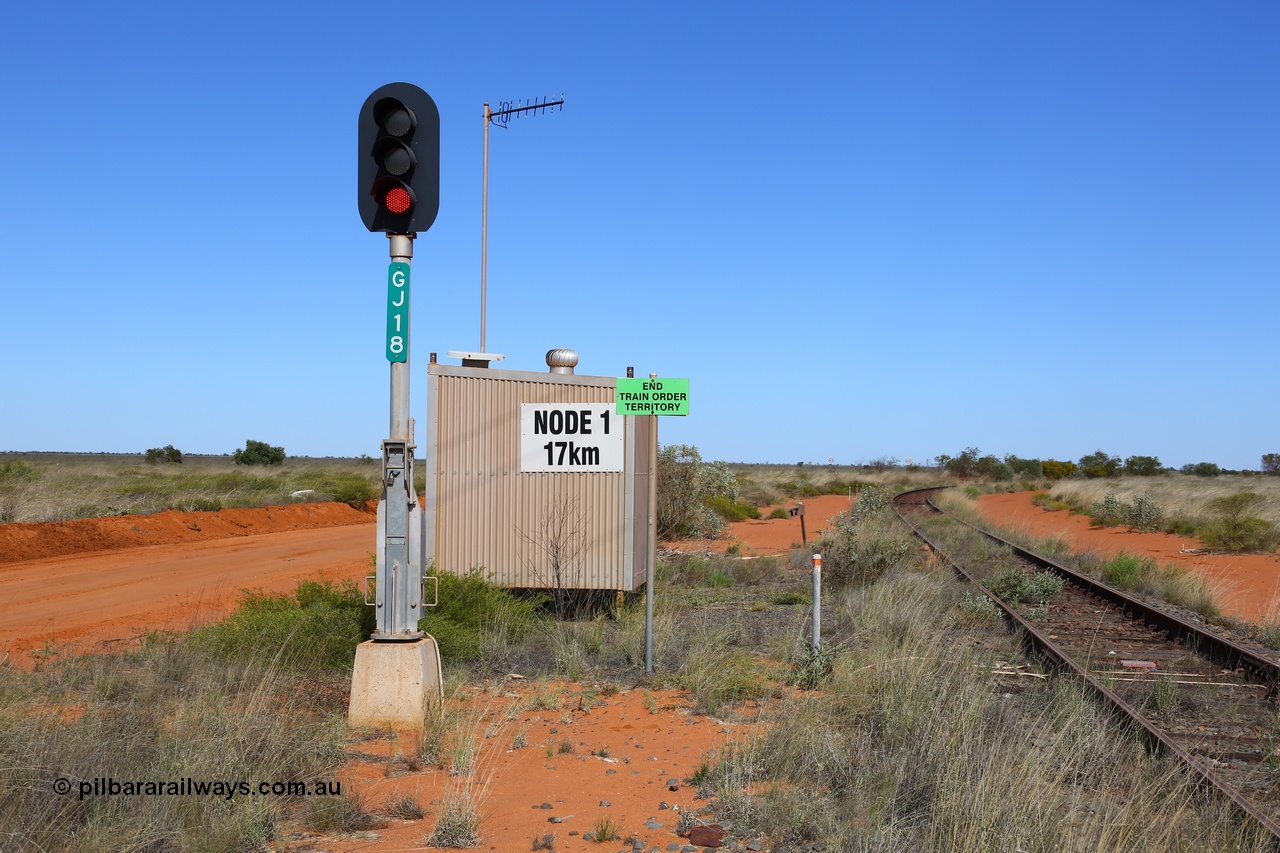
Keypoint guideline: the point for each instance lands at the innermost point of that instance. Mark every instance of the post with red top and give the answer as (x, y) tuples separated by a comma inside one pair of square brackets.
[(817, 601)]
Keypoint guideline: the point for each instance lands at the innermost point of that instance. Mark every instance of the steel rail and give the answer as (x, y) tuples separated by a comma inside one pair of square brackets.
[(1153, 733)]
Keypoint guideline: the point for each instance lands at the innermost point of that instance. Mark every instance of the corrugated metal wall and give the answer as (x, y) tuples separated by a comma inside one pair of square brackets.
[(484, 512)]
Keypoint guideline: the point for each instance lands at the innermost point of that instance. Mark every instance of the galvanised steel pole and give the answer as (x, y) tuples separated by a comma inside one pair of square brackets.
[(398, 574), (651, 574), (484, 224)]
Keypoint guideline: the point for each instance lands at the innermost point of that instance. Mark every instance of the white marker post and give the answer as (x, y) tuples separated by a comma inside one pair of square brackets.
[(817, 601)]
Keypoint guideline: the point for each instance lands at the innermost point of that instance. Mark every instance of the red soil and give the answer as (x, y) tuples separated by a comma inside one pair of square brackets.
[(32, 541), (774, 536), (96, 583), (648, 740), (1250, 583)]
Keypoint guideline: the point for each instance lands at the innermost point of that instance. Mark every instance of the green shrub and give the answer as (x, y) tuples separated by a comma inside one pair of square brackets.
[(1107, 512), (168, 453), (1031, 469), (685, 485), (779, 512), (1044, 586), (317, 626), (800, 488), (475, 617), (814, 666), (1099, 464), (18, 471), (1058, 470), (1124, 570), (990, 466), (1143, 466), (1143, 514), (349, 487), (258, 453), (978, 610), (1235, 530), (861, 544), (1271, 463), (1009, 584), (731, 510), (1202, 469)]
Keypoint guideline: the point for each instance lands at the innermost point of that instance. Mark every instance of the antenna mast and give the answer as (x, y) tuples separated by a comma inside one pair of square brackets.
[(505, 112)]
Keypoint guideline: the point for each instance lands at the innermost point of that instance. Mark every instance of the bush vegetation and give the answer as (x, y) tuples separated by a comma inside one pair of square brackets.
[(258, 453), (168, 453)]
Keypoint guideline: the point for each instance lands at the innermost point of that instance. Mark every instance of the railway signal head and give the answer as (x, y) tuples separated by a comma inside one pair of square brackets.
[(399, 160)]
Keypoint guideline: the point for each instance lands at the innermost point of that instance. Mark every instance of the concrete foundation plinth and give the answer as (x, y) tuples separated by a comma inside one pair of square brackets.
[(395, 684)]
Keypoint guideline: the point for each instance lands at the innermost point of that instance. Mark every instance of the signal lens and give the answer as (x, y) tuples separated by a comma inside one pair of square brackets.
[(398, 122), (397, 200)]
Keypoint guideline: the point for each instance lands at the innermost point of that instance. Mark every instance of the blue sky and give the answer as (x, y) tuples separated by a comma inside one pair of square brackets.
[(861, 230)]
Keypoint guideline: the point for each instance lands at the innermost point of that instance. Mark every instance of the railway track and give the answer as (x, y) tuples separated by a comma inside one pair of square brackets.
[(1201, 697)]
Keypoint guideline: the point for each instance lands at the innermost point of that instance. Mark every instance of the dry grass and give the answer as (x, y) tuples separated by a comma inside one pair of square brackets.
[(65, 486), (765, 484), (1180, 496), (166, 713), (914, 745)]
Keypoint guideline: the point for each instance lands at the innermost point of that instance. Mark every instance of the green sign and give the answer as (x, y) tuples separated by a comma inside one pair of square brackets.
[(652, 397), (398, 312)]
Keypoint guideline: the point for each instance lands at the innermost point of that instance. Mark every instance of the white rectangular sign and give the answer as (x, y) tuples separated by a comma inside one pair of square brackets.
[(570, 437)]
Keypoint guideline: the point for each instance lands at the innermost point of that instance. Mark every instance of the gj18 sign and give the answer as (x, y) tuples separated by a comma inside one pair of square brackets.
[(398, 312), (570, 437)]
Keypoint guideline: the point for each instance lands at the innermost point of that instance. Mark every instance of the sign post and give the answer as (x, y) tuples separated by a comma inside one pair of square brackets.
[(798, 509), (652, 397)]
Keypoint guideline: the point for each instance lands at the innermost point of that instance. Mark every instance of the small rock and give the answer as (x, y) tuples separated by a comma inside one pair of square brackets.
[(755, 845), (554, 731), (546, 806), (605, 803), (663, 805), (610, 772), (558, 818), (711, 835), (652, 824)]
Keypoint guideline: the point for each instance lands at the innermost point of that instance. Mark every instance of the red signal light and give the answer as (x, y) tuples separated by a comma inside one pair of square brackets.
[(397, 200)]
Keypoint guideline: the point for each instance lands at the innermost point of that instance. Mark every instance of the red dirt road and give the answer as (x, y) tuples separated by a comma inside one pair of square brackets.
[(103, 599)]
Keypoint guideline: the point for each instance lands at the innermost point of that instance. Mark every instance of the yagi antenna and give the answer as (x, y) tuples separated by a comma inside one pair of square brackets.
[(506, 111)]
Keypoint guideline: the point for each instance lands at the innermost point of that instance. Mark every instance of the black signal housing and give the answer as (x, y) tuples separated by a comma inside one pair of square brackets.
[(399, 160)]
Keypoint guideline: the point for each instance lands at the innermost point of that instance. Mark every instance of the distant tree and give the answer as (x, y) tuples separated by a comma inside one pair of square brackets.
[(883, 463), (964, 465), (1057, 470), (1202, 469), (168, 453), (1143, 466), (1099, 464), (990, 466), (1032, 469), (258, 453), (1271, 463)]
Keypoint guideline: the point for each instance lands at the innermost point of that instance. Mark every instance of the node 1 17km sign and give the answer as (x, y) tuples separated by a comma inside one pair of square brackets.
[(570, 438), (652, 396)]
